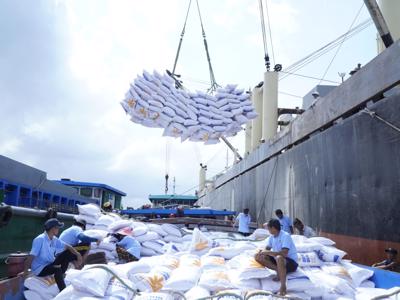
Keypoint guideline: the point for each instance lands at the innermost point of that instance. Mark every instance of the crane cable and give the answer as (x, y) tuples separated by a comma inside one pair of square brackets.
[(213, 82), (181, 39), (340, 45), (270, 32), (264, 36), (325, 49)]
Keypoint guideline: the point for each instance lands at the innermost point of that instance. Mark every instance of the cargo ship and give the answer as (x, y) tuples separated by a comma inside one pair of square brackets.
[(335, 166)]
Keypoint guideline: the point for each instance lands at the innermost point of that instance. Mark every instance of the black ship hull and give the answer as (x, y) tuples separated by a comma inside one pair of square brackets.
[(342, 180)]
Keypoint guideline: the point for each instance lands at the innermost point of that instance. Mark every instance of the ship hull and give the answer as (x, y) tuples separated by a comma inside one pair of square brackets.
[(343, 181)]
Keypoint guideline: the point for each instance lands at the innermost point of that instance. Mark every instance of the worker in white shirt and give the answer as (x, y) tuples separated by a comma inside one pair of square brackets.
[(302, 229), (244, 220)]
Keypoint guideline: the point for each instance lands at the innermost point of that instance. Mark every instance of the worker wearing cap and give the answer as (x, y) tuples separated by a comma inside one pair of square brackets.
[(390, 263), (128, 248), (107, 206), (47, 256), (75, 237)]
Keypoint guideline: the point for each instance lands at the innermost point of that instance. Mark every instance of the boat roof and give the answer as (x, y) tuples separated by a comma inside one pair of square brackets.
[(187, 212), (91, 184), (181, 198)]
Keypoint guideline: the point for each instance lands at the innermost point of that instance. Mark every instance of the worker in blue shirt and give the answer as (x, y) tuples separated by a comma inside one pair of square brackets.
[(280, 254), (286, 222), (47, 256), (128, 248), (75, 237)]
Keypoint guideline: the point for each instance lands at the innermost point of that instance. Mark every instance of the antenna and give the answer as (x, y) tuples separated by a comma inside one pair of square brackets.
[(341, 75)]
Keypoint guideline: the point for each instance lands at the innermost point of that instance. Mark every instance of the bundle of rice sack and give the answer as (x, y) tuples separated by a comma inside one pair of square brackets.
[(156, 245), (172, 239), (127, 270), (244, 284), (96, 233), (89, 210), (200, 243), (149, 236), (197, 292), (358, 275), (308, 247), (189, 260), (259, 234), (183, 278), (171, 229), (322, 240), (308, 259), (330, 254), (215, 280), (148, 282), (154, 296), (249, 268), (157, 228), (91, 280), (46, 287), (209, 262), (228, 252), (70, 293), (147, 252), (119, 224), (117, 291), (330, 283)]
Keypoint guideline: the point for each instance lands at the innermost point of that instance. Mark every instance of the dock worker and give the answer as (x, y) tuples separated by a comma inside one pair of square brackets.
[(128, 248), (48, 255), (75, 237), (286, 222), (244, 220), (280, 254), (302, 229), (107, 207), (390, 263)]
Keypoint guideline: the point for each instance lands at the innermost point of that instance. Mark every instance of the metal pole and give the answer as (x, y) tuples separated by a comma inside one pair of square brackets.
[(231, 147), (379, 21)]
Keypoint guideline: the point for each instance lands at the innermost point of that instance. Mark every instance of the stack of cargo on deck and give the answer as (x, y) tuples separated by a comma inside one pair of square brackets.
[(154, 101), (201, 264)]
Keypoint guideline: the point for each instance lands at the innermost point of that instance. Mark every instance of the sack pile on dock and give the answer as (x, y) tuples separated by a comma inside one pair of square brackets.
[(213, 263), (154, 101)]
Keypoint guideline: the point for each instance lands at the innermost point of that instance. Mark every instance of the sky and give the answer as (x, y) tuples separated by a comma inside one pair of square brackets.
[(66, 64)]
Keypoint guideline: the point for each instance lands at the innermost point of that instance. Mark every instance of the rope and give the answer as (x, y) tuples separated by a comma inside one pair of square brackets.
[(340, 45), (266, 57), (181, 40), (373, 114), (270, 31), (214, 84), (266, 192)]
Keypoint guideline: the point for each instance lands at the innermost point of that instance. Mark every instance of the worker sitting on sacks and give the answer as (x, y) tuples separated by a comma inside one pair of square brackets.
[(51, 256), (302, 229), (280, 254), (75, 237), (128, 248), (390, 263)]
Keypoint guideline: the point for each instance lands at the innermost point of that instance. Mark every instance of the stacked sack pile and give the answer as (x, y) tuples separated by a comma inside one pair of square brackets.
[(206, 268), (154, 101)]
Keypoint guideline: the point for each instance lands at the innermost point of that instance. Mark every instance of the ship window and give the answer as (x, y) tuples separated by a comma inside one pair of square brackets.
[(87, 192), (97, 193)]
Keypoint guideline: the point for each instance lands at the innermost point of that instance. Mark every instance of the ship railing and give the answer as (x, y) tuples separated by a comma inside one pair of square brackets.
[(44, 204)]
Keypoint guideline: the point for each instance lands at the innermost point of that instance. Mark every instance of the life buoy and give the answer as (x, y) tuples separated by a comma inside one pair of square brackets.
[(5, 215)]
